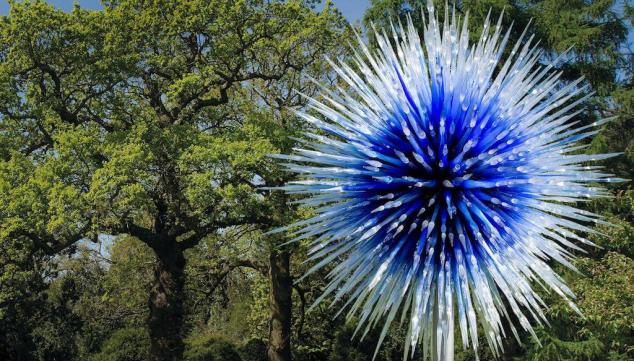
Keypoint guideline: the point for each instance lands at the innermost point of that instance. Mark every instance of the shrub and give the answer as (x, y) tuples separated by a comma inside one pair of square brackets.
[(210, 348), (254, 350), (127, 344)]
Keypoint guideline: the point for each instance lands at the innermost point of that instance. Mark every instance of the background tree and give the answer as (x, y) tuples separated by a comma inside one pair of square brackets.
[(130, 121)]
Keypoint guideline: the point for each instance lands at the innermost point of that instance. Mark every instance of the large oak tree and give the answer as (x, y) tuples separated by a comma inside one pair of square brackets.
[(153, 119)]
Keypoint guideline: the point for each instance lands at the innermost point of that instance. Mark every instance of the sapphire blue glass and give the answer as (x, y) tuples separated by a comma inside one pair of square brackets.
[(443, 180)]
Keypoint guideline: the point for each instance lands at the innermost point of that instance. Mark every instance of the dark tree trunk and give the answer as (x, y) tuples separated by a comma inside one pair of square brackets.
[(280, 299), (165, 321)]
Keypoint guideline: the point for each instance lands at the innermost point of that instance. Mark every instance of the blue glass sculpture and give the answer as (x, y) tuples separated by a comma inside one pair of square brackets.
[(444, 179)]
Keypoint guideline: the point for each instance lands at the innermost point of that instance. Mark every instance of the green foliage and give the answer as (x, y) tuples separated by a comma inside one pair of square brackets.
[(128, 344), (148, 120), (254, 350), (144, 120), (207, 347), (604, 289), (348, 346), (127, 281)]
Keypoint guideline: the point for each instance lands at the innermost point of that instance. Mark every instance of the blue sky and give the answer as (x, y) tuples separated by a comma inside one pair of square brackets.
[(64, 4), (352, 9)]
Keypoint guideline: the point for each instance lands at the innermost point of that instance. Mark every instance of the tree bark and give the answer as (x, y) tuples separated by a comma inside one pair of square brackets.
[(280, 299), (165, 322)]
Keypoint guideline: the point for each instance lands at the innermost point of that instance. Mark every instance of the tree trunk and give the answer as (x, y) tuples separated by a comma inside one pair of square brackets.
[(280, 299), (165, 321)]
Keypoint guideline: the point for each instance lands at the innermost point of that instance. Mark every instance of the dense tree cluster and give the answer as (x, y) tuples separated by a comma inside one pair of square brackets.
[(133, 144)]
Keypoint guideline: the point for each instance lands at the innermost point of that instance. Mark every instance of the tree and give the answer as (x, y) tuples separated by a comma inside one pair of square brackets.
[(21, 288), (133, 121)]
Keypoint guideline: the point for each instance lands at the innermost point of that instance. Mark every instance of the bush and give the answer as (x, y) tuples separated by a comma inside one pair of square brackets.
[(254, 350), (127, 344), (210, 348)]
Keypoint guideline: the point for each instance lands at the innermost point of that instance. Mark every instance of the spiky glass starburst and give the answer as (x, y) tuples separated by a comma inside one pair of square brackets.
[(444, 180)]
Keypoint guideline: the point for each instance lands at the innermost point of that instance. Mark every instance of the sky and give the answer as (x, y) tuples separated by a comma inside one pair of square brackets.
[(64, 4), (351, 9)]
